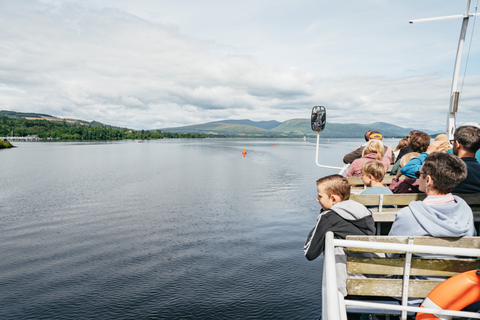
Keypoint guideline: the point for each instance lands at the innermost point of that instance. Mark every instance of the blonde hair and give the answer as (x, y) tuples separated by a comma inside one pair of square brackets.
[(375, 146), (446, 145), (375, 168), (408, 157), (441, 137), (335, 184)]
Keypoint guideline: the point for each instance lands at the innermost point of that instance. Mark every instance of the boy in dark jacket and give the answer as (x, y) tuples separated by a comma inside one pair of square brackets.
[(341, 216)]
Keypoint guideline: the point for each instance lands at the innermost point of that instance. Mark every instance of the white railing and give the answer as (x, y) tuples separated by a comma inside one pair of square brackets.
[(342, 169), (334, 305)]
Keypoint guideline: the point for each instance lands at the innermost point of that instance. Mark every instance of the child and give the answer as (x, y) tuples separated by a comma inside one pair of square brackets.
[(341, 216), (373, 151), (406, 185), (373, 173)]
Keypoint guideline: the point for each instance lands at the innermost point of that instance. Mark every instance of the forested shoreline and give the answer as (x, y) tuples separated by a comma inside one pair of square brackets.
[(62, 130)]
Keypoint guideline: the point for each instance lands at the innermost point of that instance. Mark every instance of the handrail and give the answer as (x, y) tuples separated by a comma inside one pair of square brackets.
[(376, 305), (342, 169)]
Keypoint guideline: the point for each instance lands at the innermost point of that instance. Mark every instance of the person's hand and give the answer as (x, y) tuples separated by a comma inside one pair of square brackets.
[(399, 173), (437, 146), (390, 148)]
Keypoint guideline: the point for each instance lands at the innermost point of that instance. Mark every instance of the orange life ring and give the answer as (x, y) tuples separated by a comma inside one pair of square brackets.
[(455, 293)]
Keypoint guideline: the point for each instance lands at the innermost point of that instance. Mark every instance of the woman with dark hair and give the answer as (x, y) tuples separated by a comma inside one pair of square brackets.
[(441, 214)]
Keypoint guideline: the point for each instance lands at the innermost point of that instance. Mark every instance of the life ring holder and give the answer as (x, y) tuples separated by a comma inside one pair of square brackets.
[(455, 293)]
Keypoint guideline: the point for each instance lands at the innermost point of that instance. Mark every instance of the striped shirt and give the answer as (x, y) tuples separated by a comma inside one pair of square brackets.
[(441, 199)]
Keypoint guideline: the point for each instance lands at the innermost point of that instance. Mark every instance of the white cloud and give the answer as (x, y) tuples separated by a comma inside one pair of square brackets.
[(152, 64)]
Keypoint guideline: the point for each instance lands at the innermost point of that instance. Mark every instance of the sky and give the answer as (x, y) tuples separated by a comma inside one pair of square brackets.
[(151, 64)]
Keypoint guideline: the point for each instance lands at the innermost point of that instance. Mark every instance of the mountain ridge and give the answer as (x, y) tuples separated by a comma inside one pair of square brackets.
[(249, 128), (294, 128)]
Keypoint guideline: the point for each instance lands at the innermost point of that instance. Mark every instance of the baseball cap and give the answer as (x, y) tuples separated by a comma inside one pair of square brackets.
[(375, 135)]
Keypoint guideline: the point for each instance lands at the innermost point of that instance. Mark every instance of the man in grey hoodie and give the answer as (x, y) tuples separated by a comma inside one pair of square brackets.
[(441, 214), (341, 216)]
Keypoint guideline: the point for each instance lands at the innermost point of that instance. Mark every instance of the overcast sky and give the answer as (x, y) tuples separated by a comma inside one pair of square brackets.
[(148, 64)]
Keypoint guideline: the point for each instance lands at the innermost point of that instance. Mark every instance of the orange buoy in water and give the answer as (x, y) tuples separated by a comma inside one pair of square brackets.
[(274, 144), (244, 152)]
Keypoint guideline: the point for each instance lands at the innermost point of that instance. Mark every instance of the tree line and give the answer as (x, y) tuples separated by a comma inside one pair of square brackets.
[(62, 130)]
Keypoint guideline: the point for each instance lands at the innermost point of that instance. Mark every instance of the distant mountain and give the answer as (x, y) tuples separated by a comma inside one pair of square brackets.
[(249, 128), (291, 128), (387, 127), (41, 116), (222, 129), (267, 125)]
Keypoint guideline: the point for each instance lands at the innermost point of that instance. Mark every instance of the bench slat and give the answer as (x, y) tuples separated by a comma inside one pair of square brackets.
[(402, 199), (358, 180), (419, 266), (470, 198), (390, 287), (388, 215), (465, 242)]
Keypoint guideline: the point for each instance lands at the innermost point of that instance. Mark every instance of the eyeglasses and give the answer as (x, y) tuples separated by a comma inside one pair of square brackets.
[(451, 141), (418, 173)]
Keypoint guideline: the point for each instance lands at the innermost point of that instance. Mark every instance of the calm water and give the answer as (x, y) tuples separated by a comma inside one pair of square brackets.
[(174, 229)]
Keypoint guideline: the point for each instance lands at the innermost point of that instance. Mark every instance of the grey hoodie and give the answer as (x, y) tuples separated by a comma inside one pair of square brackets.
[(344, 218), (453, 219)]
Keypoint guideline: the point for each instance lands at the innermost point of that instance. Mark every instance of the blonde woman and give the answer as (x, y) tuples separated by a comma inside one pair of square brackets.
[(373, 151)]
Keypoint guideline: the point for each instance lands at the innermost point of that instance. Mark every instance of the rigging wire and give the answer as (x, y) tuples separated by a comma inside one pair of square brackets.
[(469, 47)]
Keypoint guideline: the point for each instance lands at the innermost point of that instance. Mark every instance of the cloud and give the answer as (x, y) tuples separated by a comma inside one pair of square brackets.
[(127, 67)]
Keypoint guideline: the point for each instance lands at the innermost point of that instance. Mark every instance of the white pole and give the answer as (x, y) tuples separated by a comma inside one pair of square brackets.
[(453, 106), (454, 95)]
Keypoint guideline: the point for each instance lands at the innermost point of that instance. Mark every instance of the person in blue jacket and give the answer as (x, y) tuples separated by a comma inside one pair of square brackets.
[(416, 163)]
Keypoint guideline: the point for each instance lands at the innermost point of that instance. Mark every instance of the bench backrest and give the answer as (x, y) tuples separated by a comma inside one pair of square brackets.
[(404, 265), (357, 181), (425, 267), (382, 214)]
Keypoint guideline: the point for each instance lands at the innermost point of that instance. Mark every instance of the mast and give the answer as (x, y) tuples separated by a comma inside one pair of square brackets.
[(454, 94)]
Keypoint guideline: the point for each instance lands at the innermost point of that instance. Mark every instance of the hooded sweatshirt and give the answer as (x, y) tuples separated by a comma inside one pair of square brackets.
[(344, 218), (454, 219)]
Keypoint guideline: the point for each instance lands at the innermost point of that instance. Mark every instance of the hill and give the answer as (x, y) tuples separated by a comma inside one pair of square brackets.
[(222, 129), (40, 116), (247, 128), (292, 128), (267, 125)]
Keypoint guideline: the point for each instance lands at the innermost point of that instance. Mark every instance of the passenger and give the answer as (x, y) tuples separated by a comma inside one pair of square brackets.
[(477, 154), (341, 216), (357, 153), (466, 142), (406, 185), (418, 142), (373, 151), (440, 214), (415, 164), (401, 144), (408, 147), (373, 173)]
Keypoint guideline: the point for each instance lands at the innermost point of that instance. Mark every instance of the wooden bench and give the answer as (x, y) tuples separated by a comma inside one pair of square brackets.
[(383, 215), (358, 180), (378, 285)]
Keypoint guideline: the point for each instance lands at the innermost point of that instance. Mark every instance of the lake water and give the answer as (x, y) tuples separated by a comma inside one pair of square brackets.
[(169, 229)]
